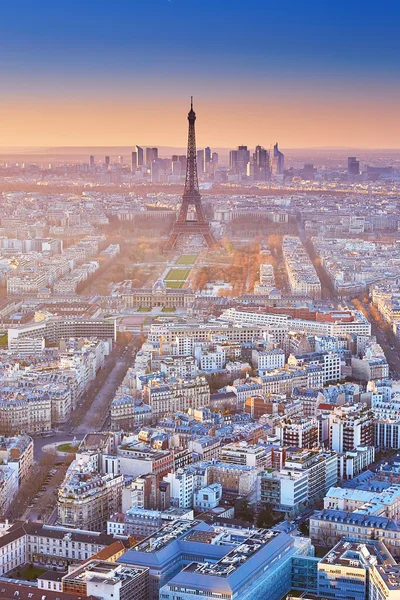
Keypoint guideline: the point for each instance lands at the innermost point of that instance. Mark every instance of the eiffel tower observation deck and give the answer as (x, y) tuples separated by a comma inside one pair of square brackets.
[(184, 227)]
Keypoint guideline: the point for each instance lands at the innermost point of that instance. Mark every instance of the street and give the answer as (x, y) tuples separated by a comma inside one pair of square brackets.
[(91, 414)]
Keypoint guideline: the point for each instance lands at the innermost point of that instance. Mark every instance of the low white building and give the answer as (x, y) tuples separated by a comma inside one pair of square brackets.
[(268, 360), (208, 497)]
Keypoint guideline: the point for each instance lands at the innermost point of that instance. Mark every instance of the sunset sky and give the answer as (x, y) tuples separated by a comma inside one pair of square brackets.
[(302, 72)]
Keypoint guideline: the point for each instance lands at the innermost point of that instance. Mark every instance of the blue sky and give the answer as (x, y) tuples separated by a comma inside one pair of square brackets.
[(288, 50)]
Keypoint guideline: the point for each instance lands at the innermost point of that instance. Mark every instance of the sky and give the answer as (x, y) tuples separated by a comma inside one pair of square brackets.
[(306, 73)]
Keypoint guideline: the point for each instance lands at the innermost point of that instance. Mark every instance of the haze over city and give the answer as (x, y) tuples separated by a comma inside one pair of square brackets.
[(199, 300)]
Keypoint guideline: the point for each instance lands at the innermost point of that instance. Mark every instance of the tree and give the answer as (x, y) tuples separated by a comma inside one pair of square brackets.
[(274, 241), (244, 510), (324, 536), (304, 529), (265, 517)]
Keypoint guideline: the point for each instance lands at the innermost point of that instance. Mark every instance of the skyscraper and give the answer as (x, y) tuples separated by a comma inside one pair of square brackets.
[(308, 171), (133, 162), (214, 160), (176, 167), (91, 162), (107, 162), (120, 160), (207, 160), (182, 159), (200, 161), (139, 154), (238, 159), (278, 161), (155, 171), (151, 154), (353, 166), (261, 164)]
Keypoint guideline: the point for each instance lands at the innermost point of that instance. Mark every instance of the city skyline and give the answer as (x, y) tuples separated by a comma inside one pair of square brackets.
[(297, 74)]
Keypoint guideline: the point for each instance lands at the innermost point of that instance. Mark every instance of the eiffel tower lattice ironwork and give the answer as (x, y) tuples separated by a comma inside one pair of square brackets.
[(191, 197)]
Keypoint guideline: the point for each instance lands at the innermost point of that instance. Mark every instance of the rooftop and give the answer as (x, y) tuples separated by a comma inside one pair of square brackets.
[(236, 557)]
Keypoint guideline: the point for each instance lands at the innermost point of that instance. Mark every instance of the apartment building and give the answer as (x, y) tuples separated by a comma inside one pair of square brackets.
[(385, 503), (329, 361), (182, 487), (285, 490), (352, 462), (135, 459), (182, 367), (321, 468), (206, 447), (239, 479), (243, 453), (8, 487), (172, 396), (298, 432), (303, 278), (327, 527), (268, 360), (350, 426), (50, 545), (306, 477), (148, 491), (310, 399), (86, 498), (17, 453), (127, 413)]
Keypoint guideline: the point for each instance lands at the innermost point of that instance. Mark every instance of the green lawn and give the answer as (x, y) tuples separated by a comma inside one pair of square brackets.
[(168, 309), (144, 309), (186, 259), (67, 448), (3, 339), (175, 285), (29, 574), (177, 275)]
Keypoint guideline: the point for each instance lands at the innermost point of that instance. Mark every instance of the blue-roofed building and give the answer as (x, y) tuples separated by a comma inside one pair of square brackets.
[(188, 559)]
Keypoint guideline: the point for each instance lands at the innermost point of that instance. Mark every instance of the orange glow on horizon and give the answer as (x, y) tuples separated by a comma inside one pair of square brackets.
[(307, 122)]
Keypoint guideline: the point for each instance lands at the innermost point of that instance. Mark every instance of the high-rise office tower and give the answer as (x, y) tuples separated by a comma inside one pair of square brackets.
[(155, 171), (91, 162), (261, 164), (353, 166), (207, 160), (200, 161), (308, 172), (120, 160), (238, 159), (139, 153), (182, 159), (215, 159), (151, 154), (278, 161), (133, 162), (176, 167), (107, 162)]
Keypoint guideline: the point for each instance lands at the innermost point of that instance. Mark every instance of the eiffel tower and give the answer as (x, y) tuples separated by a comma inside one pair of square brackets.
[(191, 197)]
